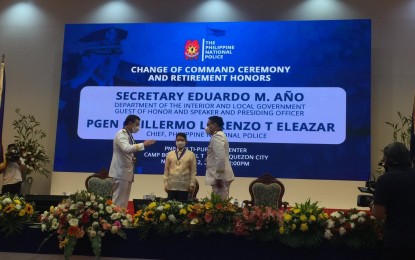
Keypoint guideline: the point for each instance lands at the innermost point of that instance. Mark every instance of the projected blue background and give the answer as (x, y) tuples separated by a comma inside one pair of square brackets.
[(319, 54)]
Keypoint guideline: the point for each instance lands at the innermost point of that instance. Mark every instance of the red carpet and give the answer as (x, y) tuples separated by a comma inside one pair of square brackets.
[(130, 208)]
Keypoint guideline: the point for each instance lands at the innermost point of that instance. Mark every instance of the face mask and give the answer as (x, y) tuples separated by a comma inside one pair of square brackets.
[(207, 130), (180, 144), (135, 129)]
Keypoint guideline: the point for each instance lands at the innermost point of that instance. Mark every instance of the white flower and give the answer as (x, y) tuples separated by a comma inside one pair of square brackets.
[(353, 217), (342, 220), (73, 222), (129, 217), (95, 224), (335, 214), (6, 201), (101, 206), (361, 213), (91, 232), (88, 204), (108, 209), (95, 215), (73, 206), (92, 197), (352, 225), (50, 217), (330, 223), (18, 206), (115, 215), (114, 229), (55, 225), (361, 219), (342, 231), (328, 234), (126, 222), (172, 218), (43, 227), (160, 208)]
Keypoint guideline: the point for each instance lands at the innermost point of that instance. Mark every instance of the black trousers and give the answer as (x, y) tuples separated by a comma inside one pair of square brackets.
[(12, 188), (178, 195)]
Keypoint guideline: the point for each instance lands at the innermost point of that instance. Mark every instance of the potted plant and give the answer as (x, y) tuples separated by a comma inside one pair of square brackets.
[(401, 133), (31, 152)]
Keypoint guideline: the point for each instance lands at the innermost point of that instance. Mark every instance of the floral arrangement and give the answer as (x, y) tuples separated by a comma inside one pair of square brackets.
[(162, 217), (32, 153), (303, 225), (353, 228), (257, 222), (84, 213), (14, 212), (212, 215)]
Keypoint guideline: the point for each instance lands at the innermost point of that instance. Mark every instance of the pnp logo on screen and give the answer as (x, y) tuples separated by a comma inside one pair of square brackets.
[(191, 50)]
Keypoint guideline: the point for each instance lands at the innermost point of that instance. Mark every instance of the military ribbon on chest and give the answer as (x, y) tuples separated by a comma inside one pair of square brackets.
[(132, 141)]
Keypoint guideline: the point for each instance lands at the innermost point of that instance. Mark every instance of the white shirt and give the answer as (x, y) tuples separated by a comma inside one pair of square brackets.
[(12, 174), (218, 165), (180, 174), (122, 166)]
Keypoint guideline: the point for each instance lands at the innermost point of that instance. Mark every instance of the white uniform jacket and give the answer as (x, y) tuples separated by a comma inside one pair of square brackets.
[(217, 159), (122, 165)]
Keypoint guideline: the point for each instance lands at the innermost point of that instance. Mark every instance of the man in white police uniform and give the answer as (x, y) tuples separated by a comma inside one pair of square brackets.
[(123, 160), (219, 173)]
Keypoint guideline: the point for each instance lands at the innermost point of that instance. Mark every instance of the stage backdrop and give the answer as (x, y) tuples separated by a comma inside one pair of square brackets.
[(294, 95)]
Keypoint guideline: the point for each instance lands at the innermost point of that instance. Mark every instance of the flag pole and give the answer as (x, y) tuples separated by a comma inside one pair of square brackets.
[(2, 85), (412, 138)]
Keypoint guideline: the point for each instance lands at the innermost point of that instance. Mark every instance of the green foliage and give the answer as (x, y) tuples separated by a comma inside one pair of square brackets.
[(303, 225), (402, 129), (10, 227), (28, 137), (96, 243), (353, 228), (162, 217), (69, 247), (257, 222), (84, 213), (211, 215), (401, 133), (14, 213)]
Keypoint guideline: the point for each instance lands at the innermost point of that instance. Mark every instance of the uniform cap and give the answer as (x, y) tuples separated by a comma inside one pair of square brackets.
[(104, 41)]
